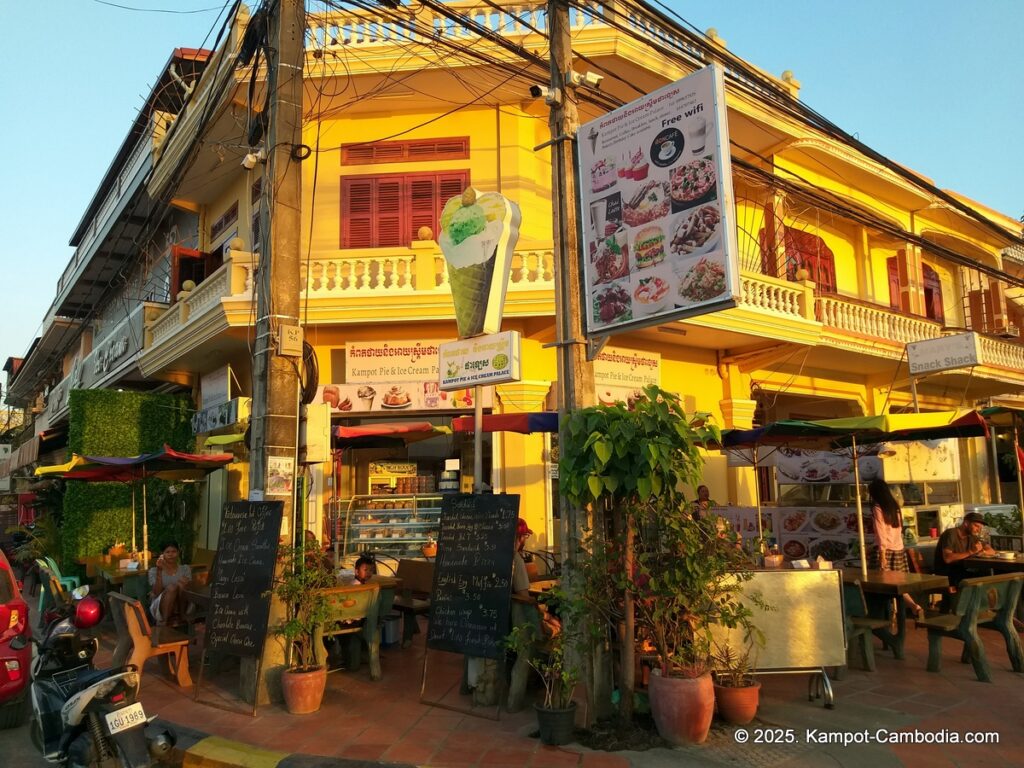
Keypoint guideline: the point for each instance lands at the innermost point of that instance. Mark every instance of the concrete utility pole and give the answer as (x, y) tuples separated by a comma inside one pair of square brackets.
[(275, 385), (575, 373)]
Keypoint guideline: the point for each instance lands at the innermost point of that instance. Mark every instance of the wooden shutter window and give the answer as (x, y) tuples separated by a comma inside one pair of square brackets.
[(893, 273), (388, 210), (932, 294), (452, 148)]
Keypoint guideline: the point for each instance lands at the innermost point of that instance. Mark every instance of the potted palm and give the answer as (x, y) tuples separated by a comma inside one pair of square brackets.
[(298, 586), (668, 577), (737, 693)]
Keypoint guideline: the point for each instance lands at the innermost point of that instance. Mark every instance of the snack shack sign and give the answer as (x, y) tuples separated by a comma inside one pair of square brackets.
[(961, 350)]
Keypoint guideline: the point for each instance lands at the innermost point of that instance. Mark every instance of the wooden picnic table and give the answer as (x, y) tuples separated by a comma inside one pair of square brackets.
[(997, 564), (881, 586)]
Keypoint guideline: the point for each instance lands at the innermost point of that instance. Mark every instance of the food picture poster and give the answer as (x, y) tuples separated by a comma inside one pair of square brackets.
[(659, 239), (383, 397)]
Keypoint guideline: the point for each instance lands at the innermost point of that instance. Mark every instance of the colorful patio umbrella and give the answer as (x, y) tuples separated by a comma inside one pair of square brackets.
[(386, 434), (167, 464), (525, 423), (848, 432)]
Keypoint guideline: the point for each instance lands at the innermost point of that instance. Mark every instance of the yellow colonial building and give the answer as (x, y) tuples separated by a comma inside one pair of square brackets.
[(844, 257)]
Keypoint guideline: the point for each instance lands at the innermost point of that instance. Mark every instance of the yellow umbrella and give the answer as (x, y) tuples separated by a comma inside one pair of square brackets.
[(60, 469)]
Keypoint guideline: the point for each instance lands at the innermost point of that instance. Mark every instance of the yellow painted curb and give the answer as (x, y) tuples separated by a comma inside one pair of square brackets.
[(215, 752)]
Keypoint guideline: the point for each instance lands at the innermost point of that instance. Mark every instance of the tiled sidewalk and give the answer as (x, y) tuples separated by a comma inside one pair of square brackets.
[(384, 721)]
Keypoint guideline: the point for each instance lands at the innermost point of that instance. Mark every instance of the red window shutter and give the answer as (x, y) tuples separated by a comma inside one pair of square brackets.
[(423, 204), (450, 185), (933, 294), (893, 272), (357, 213), (390, 212)]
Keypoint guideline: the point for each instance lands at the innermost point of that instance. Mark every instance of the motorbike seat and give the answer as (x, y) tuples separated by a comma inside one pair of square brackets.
[(88, 677)]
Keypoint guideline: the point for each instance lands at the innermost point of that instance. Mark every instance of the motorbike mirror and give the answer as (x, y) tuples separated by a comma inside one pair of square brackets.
[(79, 592), (18, 643)]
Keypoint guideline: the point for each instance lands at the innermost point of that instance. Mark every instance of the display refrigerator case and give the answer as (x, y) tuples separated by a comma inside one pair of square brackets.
[(395, 526)]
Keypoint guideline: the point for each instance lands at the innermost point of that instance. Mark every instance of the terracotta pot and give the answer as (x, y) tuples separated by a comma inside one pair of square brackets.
[(682, 707), (556, 725), (303, 690), (738, 705)]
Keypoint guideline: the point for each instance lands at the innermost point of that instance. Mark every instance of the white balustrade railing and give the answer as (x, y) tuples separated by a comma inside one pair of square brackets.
[(352, 275), (1002, 354), (877, 322), (209, 292), (164, 327), (773, 295)]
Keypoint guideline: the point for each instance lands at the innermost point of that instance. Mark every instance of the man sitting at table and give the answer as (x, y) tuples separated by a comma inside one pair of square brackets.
[(957, 544)]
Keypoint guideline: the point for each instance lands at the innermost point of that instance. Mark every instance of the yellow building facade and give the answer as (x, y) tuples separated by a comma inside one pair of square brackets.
[(843, 261)]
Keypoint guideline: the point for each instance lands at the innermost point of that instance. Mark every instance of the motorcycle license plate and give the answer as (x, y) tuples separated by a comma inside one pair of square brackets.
[(125, 718)]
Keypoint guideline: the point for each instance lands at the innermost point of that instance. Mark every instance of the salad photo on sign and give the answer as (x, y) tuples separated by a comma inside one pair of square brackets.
[(657, 207)]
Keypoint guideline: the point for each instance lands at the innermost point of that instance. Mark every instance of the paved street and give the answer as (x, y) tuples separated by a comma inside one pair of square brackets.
[(17, 749)]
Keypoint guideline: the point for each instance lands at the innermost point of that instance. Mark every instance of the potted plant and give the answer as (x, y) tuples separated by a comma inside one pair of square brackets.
[(298, 585), (737, 693), (668, 577), (548, 638)]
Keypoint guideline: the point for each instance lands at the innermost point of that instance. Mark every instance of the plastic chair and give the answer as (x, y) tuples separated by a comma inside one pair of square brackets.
[(68, 582)]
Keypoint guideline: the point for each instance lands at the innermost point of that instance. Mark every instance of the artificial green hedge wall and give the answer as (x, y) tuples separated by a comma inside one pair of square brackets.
[(105, 422)]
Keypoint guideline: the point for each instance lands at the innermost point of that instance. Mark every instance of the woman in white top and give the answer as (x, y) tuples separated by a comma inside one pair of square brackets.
[(889, 554), (168, 580)]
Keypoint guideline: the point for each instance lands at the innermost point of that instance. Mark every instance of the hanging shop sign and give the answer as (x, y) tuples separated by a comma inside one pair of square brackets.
[(657, 208), (373, 361), (479, 232), (491, 359), (384, 397), (215, 387), (620, 374), (223, 415), (960, 350)]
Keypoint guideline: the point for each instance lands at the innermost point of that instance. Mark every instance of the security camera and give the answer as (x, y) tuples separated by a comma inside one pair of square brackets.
[(552, 96), (588, 79), (250, 160)]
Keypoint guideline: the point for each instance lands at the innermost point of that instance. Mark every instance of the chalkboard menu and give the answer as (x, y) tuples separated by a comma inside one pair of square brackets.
[(469, 605), (243, 576)]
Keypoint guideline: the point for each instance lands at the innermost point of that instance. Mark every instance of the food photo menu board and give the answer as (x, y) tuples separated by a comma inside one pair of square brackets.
[(657, 208)]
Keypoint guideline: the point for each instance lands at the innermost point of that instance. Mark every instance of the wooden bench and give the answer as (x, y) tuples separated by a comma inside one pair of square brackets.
[(987, 602), (352, 611), (860, 627), (137, 641), (414, 600)]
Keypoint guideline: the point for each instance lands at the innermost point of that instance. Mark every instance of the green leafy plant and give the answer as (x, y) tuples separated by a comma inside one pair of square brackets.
[(298, 586), (733, 665), (41, 540), (657, 567), (556, 657), (1004, 525)]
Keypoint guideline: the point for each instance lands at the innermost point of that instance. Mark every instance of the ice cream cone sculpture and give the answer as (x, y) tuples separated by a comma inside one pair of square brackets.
[(478, 235)]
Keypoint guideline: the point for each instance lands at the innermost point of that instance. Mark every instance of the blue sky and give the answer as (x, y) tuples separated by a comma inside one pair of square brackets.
[(937, 85)]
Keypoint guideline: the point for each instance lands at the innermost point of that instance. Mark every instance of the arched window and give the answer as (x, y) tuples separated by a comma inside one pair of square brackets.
[(803, 249), (932, 294), (933, 308)]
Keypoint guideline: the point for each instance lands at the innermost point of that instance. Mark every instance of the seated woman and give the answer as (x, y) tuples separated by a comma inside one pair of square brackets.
[(168, 580)]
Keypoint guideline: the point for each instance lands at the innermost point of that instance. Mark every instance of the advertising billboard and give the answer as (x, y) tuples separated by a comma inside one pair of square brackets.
[(656, 206)]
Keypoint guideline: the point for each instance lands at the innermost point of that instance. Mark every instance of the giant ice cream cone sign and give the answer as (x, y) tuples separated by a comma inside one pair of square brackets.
[(478, 234)]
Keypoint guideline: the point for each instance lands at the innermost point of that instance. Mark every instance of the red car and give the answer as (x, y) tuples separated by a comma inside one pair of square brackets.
[(14, 665)]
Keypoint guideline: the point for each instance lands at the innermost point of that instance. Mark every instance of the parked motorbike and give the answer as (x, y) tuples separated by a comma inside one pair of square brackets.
[(82, 716)]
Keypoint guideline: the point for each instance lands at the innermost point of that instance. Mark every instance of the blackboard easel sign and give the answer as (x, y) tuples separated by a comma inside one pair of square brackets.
[(243, 575), (472, 591), (469, 604)]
